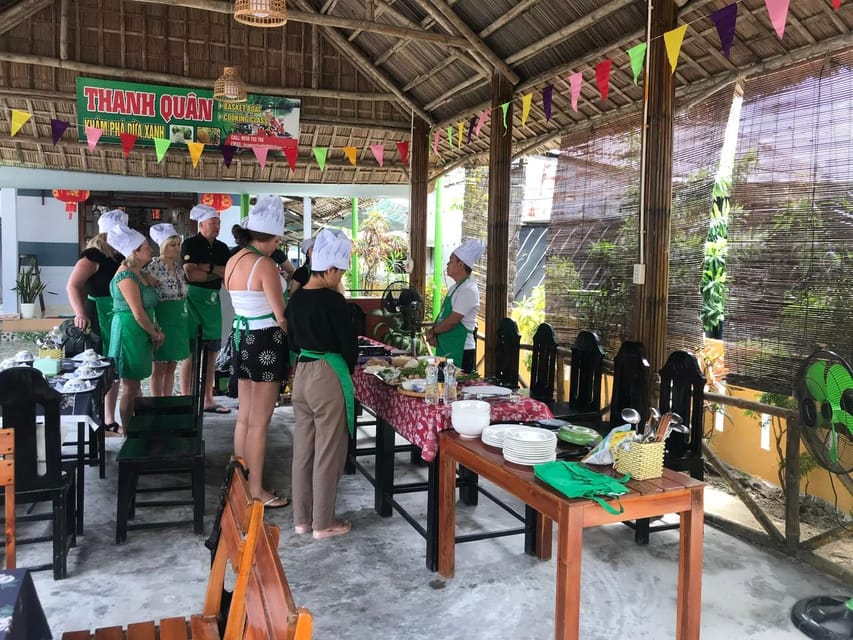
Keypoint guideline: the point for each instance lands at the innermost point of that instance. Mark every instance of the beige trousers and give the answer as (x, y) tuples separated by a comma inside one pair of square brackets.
[(319, 443)]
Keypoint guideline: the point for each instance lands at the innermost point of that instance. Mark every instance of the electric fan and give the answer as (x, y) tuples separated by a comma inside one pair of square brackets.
[(823, 391), (399, 299)]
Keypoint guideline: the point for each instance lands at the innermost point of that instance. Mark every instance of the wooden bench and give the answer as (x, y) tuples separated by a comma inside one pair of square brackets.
[(261, 605)]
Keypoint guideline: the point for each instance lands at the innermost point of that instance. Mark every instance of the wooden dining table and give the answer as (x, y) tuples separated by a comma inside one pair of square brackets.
[(672, 493)]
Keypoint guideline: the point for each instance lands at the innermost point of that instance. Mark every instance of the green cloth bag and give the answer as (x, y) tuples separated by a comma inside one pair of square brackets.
[(574, 480)]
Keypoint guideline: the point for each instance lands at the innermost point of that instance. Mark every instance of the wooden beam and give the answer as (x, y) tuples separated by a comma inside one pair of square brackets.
[(310, 16), (22, 11), (502, 67), (63, 30), (418, 205), (509, 16), (205, 83)]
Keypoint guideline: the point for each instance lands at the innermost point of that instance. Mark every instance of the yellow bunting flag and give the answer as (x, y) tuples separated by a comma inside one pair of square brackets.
[(526, 101), (350, 152), (459, 127), (19, 119), (195, 149), (672, 40)]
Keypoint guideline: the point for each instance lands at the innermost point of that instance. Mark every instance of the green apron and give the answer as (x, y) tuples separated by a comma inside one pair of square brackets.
[(241, 324), (339, 366), (203, 310), (172, 318), (104, 305), (451, 344)]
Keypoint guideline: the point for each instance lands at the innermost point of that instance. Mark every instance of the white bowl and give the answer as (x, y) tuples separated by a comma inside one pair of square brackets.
[(470, 417), (418, 385), (8, 363), (74, 385), (24, 356)]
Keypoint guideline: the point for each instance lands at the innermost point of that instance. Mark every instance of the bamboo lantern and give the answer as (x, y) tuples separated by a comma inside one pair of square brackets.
[(261, 13), (229, 87)]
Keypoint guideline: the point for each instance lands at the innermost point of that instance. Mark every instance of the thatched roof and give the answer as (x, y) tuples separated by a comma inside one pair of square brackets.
[(362, 68)]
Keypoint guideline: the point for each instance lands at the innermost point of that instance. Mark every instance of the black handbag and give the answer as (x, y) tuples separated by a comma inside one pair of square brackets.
[(78, 340)]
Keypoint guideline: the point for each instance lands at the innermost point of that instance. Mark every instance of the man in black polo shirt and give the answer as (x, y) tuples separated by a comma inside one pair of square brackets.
[(204, 267)]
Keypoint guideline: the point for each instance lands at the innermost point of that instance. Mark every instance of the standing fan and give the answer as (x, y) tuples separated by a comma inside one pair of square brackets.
[(399, 299), (823, 391)]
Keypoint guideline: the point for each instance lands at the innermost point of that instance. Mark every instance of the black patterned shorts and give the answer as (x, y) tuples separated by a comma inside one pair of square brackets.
[(262, 355)]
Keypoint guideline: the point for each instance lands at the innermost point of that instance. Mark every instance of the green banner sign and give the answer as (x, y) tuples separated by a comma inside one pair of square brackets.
[(183, 115)]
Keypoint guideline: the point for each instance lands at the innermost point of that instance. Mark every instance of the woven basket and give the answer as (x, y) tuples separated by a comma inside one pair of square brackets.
[(55, 354), (642, 461)]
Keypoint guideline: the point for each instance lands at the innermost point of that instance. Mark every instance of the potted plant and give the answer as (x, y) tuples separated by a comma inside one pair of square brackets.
[(29, 286)]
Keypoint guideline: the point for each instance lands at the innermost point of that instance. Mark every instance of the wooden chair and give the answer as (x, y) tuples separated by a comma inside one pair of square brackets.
[(7, 481), (630, 382), (26, 400), (584, 403), (682, 388), (261, 604), (507, 353), (171, 405), (358, 317)]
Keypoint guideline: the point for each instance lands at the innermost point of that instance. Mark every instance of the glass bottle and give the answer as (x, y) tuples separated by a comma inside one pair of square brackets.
[(431, 374), (449, 381)]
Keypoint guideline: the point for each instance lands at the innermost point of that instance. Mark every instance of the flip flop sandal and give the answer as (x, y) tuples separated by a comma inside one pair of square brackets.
[(269, 503), (301, 529), (217, 408), (337, 529)]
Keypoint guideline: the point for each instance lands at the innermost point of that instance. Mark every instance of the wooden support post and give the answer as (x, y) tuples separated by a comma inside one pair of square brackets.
[(500, 158), (657, 180), (792, 484), (418, 205)]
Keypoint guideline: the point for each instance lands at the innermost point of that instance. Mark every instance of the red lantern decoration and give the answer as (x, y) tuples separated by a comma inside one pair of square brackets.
[(219, 201), (71, 197)]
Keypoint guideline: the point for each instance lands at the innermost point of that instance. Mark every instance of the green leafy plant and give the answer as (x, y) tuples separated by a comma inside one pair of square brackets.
[(29, 286), (714, 287), (529, 313), (382, 252)]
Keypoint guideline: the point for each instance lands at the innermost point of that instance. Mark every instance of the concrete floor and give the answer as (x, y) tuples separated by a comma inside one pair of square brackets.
[(372, 583)]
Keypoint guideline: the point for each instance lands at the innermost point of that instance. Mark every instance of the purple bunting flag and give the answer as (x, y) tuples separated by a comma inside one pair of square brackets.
[(227, 154), (57, 128), (547, 96), (724, 19), (471, 123)]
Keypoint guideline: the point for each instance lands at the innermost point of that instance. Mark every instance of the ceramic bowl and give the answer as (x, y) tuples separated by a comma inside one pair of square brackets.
[(417, 385), (74, 385), (86, 371), (24, 357), (470, 417)]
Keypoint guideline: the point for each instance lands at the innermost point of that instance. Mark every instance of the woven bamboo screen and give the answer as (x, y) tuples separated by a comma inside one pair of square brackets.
[(791, 246)]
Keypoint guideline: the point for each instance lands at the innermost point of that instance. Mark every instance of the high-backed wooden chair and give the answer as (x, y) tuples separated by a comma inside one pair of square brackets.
[(31, 406), (358, 317), (170, 405), (584, 402), (630, 382), (507, 353), (7, 481)]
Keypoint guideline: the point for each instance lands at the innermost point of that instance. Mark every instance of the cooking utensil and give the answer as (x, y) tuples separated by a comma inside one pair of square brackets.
[(631, 416), (650, 430)]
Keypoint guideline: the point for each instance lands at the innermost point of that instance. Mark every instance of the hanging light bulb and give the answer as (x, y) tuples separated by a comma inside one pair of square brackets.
[(261, 13), (229, 87)]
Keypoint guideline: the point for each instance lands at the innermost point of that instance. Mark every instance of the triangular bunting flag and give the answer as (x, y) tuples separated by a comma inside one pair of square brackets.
[(435, 137), (602, 78), (460, 126), (547, 97), (505, 109), (93, 134), (450, 137), (778, 11), (836, 4), (724, 19), (637, 54), (19, 119), (127, 142), (672, 41), (350, 152), (575, 82), (378, 151), (320, 156), (481, 121), (57, 128), (227, 154), (261, 152), (195, 149), (161, 146), (403, 149), (526, 101), (291, 152), (471, 124)]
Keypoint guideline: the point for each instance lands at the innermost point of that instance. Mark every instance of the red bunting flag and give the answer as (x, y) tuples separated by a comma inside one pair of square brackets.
[(127, 142), (403, 149), (378, 151), (836, 4), (291, 152), (602, 78)]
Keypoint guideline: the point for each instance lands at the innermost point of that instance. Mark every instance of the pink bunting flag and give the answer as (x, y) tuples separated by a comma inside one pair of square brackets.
[(575, 82), (57, 128), (602, 78), (724, 19), (93, 134), (778, 12), (378, 151), (227, 154), (547, 97), (261, 152), (435, 137), (481, 121), (403, 150), (127, 142), (291, 152)]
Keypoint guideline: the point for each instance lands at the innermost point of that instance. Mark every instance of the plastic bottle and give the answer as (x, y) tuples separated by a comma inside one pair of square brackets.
[(431, 374), (449, 381)]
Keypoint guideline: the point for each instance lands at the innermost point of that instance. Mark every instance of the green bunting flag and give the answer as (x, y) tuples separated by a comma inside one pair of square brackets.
[(161, 146), (505, 108), (637, 53), (320, 156)]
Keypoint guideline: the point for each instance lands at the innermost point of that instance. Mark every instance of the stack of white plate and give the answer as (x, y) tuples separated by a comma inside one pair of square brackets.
[(529, 445), (494, 434)]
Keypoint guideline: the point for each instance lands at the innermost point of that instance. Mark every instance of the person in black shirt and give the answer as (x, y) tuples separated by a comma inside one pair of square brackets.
[(320, 331), (299, 278), (204, 265)]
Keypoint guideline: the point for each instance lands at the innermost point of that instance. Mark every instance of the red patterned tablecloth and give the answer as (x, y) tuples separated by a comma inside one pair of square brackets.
[(419, 423)]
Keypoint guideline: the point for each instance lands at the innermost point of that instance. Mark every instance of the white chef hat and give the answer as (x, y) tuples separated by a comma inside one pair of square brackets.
[(307, 244), (161, 232), (267, 216), (331, 250), (202, 212), (124, 239), (110, 219), (469, 252)]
